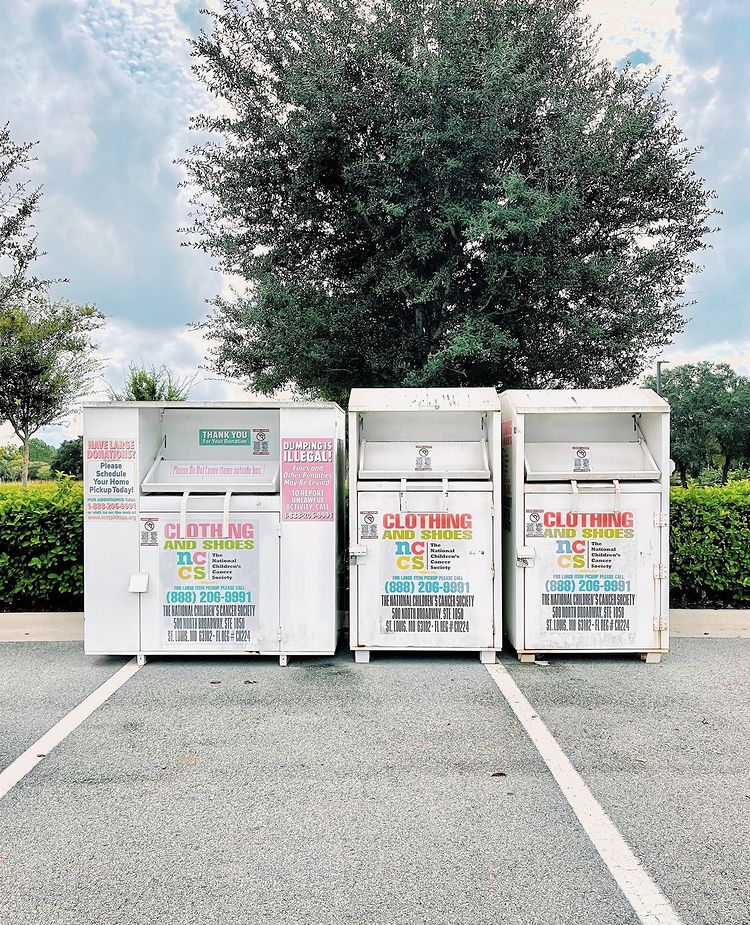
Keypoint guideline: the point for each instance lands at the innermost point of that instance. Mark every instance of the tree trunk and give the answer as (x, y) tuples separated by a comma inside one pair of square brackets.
[(725, 469), (25, 469), (683, 476)]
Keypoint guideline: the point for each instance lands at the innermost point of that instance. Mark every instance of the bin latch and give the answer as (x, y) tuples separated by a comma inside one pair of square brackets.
[(525, 556), (355, 551)]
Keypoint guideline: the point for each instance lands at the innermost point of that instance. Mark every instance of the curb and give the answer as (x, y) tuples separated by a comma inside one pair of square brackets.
[(710, 624), (41, 627)]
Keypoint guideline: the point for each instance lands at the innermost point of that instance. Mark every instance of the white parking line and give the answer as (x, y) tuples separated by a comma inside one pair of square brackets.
[(42, 747), (649, 903)]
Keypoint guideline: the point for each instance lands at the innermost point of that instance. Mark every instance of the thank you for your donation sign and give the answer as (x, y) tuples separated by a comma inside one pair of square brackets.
[(109, 479), (307, 478), (587, 569), (209, 583), (434, 572)]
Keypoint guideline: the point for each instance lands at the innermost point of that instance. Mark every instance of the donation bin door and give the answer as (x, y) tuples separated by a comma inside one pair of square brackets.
[(591, 570), (213, 586), (425, 571)]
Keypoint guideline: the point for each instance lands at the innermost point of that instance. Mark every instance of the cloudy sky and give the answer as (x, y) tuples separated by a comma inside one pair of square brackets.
[(106, 88)]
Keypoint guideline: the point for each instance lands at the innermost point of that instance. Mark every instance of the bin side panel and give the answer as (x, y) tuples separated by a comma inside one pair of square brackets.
[(512, 487), (309, 620), (110, 530)]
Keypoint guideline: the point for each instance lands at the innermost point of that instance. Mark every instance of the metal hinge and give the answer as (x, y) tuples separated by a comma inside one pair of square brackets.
[(278, 530), (661, 520), (279, 634), (660, 571), (492, 510), (660, 623)]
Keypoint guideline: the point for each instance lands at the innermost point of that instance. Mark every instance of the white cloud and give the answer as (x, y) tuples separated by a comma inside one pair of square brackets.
[(182, 350), (651, 25)]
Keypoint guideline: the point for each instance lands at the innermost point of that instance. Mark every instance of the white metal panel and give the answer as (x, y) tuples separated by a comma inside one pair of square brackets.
[(419, 400), (252, 404), (425, 579), (511, 479), (408, 427), (211, 590), (309, 547), (174, 502), (625, 398), (110, 553), (589, 460), (213, 475), (592, 581), (236, 434), (430, 459)]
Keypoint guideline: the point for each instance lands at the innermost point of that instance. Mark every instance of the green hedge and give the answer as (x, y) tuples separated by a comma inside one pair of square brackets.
[(710, 546), (41, 546)]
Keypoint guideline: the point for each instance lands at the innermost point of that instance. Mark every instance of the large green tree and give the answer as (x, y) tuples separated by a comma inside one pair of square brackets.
[(437, 192), (47, 362)]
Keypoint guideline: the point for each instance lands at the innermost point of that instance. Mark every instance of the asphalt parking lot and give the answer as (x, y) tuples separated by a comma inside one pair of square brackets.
[(403, 791)]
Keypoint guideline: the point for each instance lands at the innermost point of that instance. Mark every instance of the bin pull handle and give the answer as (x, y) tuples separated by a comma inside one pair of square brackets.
[(183, 514), (404, 501), (225, 523), (618, 495), (576, 496)]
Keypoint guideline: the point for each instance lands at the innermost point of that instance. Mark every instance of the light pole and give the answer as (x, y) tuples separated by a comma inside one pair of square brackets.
[(659, 364)]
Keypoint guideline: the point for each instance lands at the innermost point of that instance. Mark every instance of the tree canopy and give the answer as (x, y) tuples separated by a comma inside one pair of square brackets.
[(19, 200), (69, 458), (437, 192), (46, 362), (709, 416)]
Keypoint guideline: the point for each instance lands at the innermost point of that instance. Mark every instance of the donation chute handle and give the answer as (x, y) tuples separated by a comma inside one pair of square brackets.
[(183, 513)]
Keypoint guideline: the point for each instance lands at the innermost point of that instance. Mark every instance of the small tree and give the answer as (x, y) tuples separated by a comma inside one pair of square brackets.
[(11, 463), (46, 362), (152, 384), (69, 458), (19, 200)]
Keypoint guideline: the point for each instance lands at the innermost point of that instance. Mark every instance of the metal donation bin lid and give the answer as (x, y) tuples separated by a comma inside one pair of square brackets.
[(423, 433), (588, 434)]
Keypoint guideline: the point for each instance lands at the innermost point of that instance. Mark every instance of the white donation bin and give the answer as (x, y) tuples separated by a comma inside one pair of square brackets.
[(585, 484), (211, 528), (422, 504)]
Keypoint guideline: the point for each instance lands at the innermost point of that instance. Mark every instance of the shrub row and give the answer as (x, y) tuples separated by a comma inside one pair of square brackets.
[(710, 546), (41, 546)]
